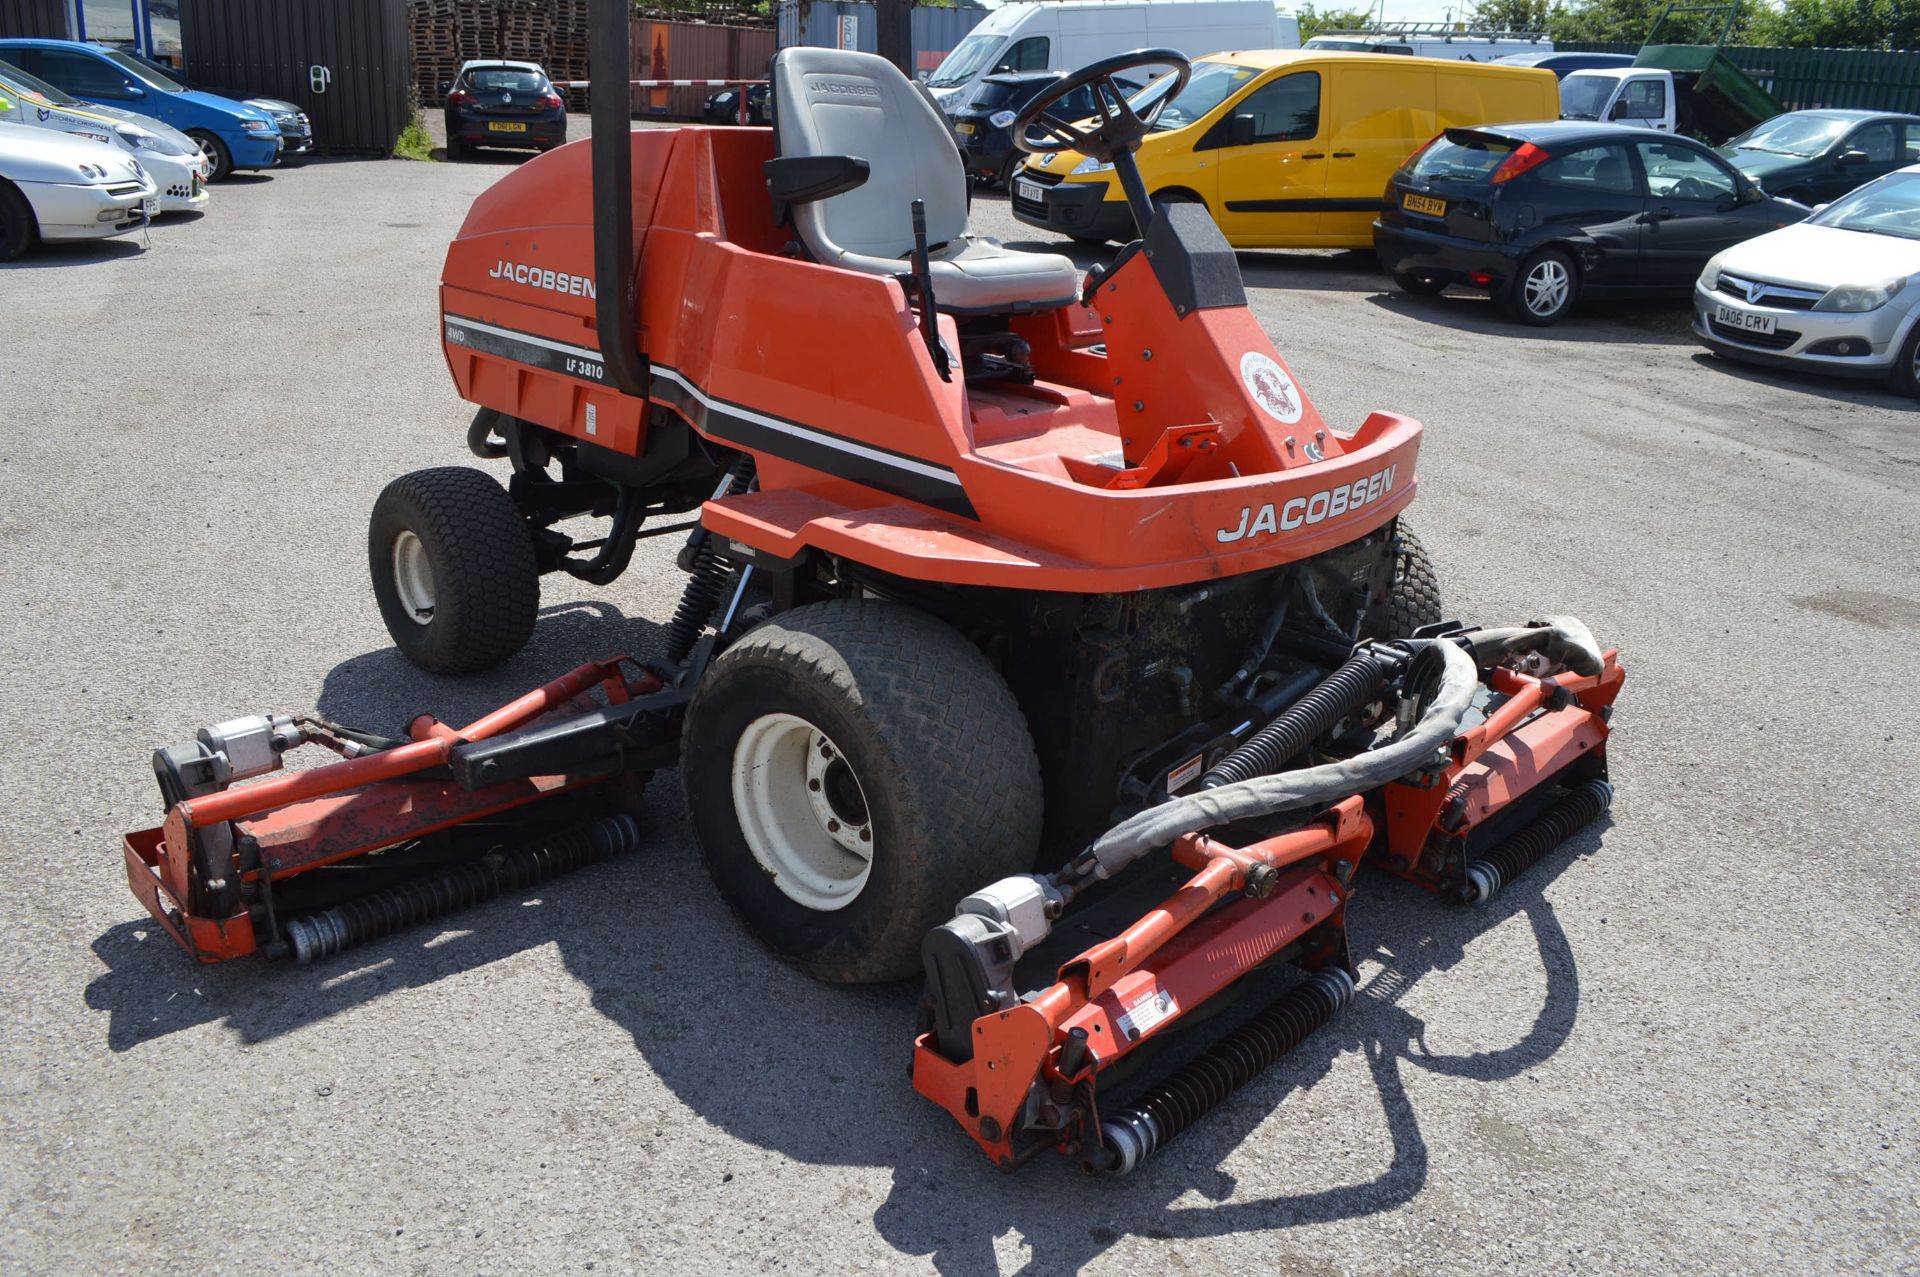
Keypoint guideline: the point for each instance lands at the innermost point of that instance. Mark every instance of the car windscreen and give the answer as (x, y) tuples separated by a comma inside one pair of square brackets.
[(1465, 159), (970, 57), (1802, 136), (1890, 206), (1583, 97), (21, 82), (1212, 84), (142, 72), (506, 80)]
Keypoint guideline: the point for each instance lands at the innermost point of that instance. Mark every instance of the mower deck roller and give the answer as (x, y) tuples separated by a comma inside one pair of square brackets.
[(1039, 594)]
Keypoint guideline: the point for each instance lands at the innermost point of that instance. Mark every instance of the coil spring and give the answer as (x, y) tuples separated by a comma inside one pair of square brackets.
[(1301, 723), (1578, 807), (707, 579), (384, 912), (1133, 1134)]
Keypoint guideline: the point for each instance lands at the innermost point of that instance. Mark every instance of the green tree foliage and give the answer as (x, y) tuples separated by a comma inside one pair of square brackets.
[(1511, 15), (1841, 24), (1313, 20), (1629, 21)]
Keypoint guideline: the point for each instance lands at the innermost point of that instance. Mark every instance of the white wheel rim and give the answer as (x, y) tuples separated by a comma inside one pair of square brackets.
[(802, 812), (1547, 286), (413, 577)]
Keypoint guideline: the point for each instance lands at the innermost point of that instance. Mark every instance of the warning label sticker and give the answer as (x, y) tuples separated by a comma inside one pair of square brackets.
[(1146, 1010)]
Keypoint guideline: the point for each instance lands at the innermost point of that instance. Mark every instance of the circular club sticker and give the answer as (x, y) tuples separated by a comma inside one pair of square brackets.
[(1271, 387)]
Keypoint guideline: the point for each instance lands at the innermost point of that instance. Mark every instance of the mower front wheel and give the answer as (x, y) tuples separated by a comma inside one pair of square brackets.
[(453, 569), (853, 769)]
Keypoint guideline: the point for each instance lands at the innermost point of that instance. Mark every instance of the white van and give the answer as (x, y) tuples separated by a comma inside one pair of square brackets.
[(1065, 35), (1454, 40)]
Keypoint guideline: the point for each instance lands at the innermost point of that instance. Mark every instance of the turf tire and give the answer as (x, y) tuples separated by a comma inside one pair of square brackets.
[(486, 586), (1415, 598), (940, 750)]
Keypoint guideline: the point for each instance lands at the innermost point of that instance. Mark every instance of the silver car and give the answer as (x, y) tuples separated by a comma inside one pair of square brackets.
[(1838, 293)]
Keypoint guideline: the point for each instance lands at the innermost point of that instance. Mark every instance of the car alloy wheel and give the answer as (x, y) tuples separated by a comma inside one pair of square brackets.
[(1546, 287)]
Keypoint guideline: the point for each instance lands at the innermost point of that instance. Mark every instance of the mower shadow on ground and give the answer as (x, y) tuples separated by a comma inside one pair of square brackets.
[(1072, 1218)]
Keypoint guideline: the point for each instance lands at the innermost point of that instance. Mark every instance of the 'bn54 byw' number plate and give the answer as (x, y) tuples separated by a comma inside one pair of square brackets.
[(1423, 204)]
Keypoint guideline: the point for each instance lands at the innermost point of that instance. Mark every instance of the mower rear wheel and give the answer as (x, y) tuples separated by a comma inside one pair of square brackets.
[(853, 769), (1415, 600), (453, 569)]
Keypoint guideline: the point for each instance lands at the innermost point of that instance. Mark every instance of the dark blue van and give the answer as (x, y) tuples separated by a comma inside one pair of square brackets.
[(232, 135), (1561, 63)]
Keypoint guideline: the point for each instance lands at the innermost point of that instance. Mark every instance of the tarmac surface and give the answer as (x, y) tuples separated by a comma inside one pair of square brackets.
[(1683, 1044)]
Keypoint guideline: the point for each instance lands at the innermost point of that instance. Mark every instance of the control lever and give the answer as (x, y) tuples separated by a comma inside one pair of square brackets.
[(923, 285)]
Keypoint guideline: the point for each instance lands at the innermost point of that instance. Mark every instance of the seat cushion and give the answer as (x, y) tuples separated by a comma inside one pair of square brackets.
[(975, 274)]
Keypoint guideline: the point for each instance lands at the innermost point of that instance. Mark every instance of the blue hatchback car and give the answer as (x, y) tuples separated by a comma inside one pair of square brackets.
[(231, 134)]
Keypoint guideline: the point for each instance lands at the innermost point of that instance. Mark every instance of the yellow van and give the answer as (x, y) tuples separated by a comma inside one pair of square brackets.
[(1286, 148)]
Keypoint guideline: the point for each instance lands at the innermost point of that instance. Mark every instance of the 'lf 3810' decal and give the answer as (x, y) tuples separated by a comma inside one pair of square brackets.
[(1328, 503)]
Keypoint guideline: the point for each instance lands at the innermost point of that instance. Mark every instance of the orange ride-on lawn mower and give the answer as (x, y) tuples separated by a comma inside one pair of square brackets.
[(1038, 636)]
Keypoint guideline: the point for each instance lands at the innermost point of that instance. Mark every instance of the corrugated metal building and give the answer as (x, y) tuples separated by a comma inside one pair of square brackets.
[(41, 19), (693, 51), (346, 63)]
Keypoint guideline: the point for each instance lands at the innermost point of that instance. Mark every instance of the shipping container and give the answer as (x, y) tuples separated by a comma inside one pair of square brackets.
[(1805, 79), (849, 24), (346, 63), (693, 51)]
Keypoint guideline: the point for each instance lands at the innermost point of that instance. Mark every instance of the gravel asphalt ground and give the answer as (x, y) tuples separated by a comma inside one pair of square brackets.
[(1684, 1044)]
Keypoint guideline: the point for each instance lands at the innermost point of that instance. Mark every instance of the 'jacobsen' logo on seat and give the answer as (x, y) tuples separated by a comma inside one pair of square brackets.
[(551, 280), (846, 88), (1329, 503)]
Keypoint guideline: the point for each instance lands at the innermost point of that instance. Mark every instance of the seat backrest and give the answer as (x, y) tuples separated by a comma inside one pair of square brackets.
[(834, 102)]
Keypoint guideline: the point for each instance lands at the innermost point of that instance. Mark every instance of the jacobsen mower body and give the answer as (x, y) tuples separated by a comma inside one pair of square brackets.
[(1039, 636)]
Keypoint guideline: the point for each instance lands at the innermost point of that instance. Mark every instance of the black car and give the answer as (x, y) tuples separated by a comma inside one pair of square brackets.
[(1539, 214), (1815, 157), (980, 126), (724, 106), (500, 103)]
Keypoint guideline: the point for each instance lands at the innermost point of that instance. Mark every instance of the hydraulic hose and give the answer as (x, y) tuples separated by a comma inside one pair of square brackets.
[(1300, 724), (1289, 791)]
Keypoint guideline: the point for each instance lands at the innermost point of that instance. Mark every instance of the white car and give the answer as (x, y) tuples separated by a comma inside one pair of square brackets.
[(1837, 293), (55, 187), (169, 156)]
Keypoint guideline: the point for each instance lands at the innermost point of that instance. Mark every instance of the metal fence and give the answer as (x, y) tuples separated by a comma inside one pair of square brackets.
[(850, 24), (1802, 79)]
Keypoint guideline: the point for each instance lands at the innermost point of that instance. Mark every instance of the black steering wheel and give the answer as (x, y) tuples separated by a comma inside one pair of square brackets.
[(1120, 129)]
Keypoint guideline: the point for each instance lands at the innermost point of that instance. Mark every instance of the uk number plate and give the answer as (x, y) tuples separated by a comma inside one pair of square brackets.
[(1745, 320), (499, 127), (966, 129), (1423, 204), (1030, 191), (150, 205)]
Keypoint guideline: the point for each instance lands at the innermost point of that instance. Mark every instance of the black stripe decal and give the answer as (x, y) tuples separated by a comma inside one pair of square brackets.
[(876, 467), (538, 352), (1373, 205)]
